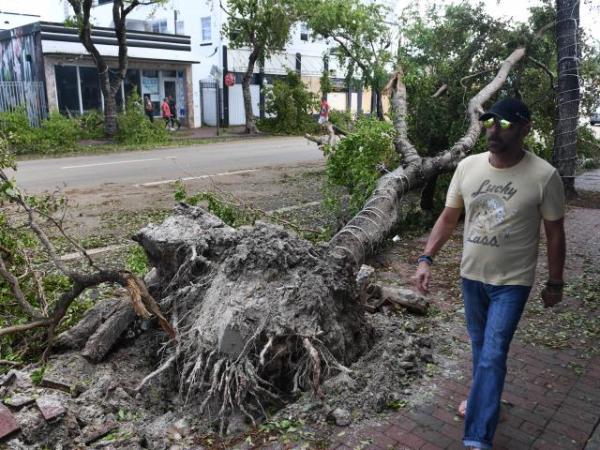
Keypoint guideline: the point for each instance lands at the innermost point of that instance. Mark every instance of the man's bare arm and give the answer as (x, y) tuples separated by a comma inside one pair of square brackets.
[(441, 232), (555, 235)]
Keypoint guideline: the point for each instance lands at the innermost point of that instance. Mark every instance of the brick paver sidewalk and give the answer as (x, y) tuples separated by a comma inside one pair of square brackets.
[(551, 397), (547, 406)]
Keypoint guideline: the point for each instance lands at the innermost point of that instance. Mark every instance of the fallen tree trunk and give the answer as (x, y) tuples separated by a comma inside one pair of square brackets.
[(104, 337), (370, 227)]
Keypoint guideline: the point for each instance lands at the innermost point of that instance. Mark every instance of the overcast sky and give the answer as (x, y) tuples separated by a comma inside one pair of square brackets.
[(52, 10)]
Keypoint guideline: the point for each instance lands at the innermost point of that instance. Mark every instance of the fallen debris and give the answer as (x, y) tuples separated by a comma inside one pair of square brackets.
[(50, 407), (8, 423)]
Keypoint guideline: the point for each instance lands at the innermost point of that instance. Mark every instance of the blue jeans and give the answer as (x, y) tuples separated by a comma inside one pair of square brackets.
[(492, 314)]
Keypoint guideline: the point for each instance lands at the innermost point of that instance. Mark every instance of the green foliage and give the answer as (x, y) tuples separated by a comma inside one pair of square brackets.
[(134, 126), (341, 119), (15, 128), (92, 125), (457, 41), (262, 25), (356, 162), (290, 102), (325, 83), (588, 148), (6, 157), (57, 134), (22, 256), (38, 375), (221, 205), (137, 261), (361, 32)]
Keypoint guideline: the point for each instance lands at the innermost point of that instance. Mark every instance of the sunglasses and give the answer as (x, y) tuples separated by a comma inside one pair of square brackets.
[(503, 123)]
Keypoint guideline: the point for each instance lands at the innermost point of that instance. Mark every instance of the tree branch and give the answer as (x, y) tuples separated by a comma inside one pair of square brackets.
[(443, 88), (15, 288), (545, 69), (383, 210), (404, 147), (483, 72), (27, 326)]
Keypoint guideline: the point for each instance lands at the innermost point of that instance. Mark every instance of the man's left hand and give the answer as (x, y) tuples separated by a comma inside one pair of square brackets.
[(551, 296)]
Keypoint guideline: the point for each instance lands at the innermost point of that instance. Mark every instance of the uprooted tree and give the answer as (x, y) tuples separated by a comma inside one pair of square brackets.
[(262, 314)]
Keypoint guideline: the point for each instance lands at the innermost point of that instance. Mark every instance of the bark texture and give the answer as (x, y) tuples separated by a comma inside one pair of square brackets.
[(250, 121), (564, 156)]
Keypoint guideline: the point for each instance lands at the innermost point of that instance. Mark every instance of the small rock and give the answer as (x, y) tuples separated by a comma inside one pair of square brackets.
[(96, 432), (182, 427), (50, 407), (8, 378), (53, 383), (18, 401), (8, 423), (341, 417), (407, 294), (426, 355)]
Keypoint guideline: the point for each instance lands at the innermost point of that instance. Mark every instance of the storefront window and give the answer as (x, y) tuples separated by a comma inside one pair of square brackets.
[(66, 89), (151, 87), (90, 89), (131, 82)]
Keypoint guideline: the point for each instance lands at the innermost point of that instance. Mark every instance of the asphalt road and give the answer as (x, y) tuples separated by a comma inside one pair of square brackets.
[(165, 165)]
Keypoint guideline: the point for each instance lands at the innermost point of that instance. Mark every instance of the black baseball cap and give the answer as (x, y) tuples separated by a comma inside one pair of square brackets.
[(511, 109)]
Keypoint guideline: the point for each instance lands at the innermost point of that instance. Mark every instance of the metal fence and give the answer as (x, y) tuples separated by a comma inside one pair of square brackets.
[(26, 94), (211, 103)]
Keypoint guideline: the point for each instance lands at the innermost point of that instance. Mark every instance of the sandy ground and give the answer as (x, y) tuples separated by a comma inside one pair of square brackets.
[(115, 210)]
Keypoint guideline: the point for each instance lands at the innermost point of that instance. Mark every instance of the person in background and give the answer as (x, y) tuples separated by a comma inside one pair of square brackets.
[(149, 107), (324, 112), (166, 114), (173, 108)]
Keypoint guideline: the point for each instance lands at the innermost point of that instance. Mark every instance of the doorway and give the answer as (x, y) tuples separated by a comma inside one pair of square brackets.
[(170, 89)]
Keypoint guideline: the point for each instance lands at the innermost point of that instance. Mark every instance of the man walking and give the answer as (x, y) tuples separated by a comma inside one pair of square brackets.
[(506, 192)]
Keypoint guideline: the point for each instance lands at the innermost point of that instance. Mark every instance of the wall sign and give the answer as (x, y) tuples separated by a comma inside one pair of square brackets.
[(229, 79)]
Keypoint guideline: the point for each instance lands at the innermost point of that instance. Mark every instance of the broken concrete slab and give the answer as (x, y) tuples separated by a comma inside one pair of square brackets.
[(98, 432), (54, 383), (8, 378), (8, 423), (50, 407), (18, 400)]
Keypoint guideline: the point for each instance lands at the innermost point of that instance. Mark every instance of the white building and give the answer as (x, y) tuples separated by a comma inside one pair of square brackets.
[(202, 20), (173, 50)]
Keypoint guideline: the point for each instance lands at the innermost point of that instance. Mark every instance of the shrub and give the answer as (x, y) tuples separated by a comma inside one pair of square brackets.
[(134, 126), (291, 104), (56, 134), (15, 128), (92, 125), (356, 162), (342, 119)]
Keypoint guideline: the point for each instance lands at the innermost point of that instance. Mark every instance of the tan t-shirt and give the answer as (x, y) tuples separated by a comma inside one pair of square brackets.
[(503, 210)]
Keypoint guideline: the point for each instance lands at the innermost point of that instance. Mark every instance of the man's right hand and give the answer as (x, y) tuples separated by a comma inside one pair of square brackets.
[(422, 276)]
